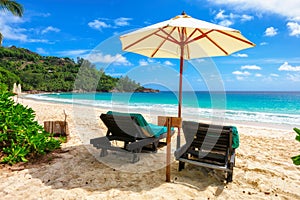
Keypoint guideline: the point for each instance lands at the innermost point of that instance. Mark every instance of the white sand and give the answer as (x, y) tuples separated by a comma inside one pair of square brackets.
[(263, 168)]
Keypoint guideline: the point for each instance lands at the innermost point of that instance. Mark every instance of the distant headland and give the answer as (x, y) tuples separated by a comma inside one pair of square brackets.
[(37, 74)]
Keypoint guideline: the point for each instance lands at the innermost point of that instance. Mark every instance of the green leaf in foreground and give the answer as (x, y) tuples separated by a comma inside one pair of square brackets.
[(297, 130), (296, 159)]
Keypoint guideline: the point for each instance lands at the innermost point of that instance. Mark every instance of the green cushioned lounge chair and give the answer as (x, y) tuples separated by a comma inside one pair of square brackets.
[(207, 145), (133, 130)]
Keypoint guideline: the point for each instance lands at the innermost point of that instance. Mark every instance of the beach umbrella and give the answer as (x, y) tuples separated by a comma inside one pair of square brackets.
[(185, 38)]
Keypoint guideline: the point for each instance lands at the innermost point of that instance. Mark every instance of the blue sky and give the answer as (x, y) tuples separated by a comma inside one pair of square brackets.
[(77, 28)]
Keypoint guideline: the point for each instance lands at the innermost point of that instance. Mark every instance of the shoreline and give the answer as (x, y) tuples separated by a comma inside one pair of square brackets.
[(244, 123), (263, 168)]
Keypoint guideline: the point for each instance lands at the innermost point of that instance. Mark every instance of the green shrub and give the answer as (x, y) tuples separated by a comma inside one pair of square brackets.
[(296, 159), (8, 78), (21, 137), (3, 87)]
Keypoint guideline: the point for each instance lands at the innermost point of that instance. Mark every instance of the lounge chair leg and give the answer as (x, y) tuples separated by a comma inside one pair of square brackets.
[(229, 177), (103, 153), (135, 158), (154, 146), (230, 173), (125, 144), (181, 166)]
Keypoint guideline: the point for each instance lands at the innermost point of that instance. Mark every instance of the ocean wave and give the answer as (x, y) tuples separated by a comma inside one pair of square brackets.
[(187, 112)]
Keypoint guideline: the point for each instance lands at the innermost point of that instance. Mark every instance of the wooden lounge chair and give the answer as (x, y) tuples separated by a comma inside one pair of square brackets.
[(208, 146), (133, 130)]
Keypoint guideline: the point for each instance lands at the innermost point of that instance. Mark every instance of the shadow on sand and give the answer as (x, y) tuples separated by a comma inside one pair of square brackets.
[(75, 167)]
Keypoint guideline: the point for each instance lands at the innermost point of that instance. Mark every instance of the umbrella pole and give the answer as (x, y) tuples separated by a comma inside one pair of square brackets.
[(168, 167), (180, 93)]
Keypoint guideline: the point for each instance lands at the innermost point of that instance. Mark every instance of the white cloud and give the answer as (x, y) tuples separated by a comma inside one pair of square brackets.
[(37, 41), (41, 51), (13, 33), (293, 77), (143, 62), (251, 67), (8, 18), (149, 61), (289, 9), (198, 60), (271, 31), (274, 75), (286, 67), (241, 55), (258, 75), (50, 28), (77, 53), (44, 14), (168, 63), (241, 73), (122, 21), (117, 59), (245, 18), (220, 15), (10, 29), (294, 28), (98, 25), (228, 20), (240, 78), (263, 43)]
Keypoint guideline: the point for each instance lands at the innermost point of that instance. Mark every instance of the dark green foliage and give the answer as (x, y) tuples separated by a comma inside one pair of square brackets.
[(53, 74), (87, 77), (8, 78), (3, 87), (296, 159), (126, 84), (106, 83), (21, 137)]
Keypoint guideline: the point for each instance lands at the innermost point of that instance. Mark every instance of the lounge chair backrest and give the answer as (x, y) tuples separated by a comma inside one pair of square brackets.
[(121, 126), (139, 119), (209, 138), (208, 145)]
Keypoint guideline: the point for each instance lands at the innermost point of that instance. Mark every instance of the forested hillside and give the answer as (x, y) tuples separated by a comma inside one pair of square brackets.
[(54, 74)]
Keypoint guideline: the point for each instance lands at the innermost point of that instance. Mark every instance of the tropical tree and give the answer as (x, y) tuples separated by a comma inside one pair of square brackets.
[(13, 7)]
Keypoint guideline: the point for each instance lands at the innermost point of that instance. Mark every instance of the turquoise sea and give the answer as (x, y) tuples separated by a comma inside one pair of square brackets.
[(277, 108)]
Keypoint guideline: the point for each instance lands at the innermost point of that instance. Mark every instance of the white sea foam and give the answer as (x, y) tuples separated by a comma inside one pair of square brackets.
[(187, 112)]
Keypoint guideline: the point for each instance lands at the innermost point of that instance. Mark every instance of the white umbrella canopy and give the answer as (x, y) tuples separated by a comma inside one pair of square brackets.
[(197, 38)]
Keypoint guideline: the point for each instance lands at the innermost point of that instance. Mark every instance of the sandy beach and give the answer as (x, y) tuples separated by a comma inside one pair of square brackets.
[(263, 168)]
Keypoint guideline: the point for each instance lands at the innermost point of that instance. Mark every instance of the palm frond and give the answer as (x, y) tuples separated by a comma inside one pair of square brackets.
[(12, 6)]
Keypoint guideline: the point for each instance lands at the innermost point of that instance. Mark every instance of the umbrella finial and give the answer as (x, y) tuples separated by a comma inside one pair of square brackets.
[(183, 13)]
